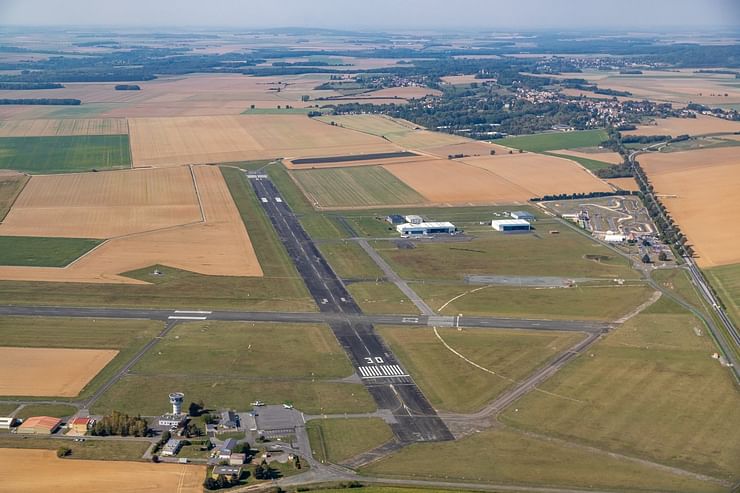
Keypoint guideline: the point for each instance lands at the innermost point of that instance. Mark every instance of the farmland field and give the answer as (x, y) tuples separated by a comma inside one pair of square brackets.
[(505, 456), (373, 124), (726, 280), (104, 450), (618, 395), (217, 139), (353, 187), (38, 471), (335, 440), (31, 251), (64, 154), (674, 127), (217, 242), (701, 186), (51, 127), (555, 140), (11, 185), (510, 354), (36, 372)]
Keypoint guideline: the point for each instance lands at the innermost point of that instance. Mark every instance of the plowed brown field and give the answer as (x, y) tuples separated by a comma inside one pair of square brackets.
[(40, 471), (705, 183), (190, 140), (218, 246), (38, 371)]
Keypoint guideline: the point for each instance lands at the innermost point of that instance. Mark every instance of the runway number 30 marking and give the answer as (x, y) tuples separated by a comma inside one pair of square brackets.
[(374, 361)]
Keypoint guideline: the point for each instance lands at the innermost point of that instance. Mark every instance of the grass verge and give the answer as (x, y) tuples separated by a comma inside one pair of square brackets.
[(335, 440), (87, 450)]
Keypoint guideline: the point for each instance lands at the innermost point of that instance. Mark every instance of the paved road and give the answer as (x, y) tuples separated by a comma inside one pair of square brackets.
[(302, 317), (391, 275), (380, 371)]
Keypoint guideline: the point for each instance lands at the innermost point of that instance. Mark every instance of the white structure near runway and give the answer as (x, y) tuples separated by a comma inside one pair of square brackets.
[(511, 225), (426, 228)]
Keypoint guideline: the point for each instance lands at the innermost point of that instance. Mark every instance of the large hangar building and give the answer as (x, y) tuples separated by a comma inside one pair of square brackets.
[(508, 225)]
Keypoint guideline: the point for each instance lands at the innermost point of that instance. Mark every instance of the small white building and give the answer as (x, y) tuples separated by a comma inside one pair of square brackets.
[(171, 448), (413, 219), (527, 216), (172, 420), (6, 423), (506, 225), (614, 238), (421, 229)]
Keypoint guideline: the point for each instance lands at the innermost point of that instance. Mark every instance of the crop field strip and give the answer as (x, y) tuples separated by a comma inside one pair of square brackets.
[(63, 127), (65, 154), (555, 140), (352, 187)]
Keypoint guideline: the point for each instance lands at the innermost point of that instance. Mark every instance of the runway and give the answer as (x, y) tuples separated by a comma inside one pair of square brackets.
[(416, 420)]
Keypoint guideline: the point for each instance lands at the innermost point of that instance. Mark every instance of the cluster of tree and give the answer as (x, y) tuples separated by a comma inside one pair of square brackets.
[(118, 423), (27, 86), (587, 195), (644, 139), (43, 101), (630, 72), (583, 85), (63, 452), (222, 482), (622, 170), (263, 471), (127, 87)]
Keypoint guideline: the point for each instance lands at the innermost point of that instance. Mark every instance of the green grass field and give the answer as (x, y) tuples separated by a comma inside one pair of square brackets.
[(381, 297), (510, 354), (349, 260), (505, 456), (127, 336), (555, 140), (507, 254), (246, 349), (582, 302), (355, 186), (147, 394), (43, 252), (55, 410), (6, 409), (726, 280), (65, 154), (87, 450), (10, 187), (335, 440), (649, 389)]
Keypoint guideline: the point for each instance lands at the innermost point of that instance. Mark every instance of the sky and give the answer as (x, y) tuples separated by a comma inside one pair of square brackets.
[(377, 14)]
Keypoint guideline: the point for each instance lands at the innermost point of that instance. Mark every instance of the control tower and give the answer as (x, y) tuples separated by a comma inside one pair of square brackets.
[(176, 399)]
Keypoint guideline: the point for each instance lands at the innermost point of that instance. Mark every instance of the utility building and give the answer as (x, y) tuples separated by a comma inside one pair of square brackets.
[(508, 225), (527, 216), (421, 229)]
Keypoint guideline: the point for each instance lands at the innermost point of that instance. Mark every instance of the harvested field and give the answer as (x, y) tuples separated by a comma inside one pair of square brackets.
[(700, 125), (103, 205), (624, 183), (460, 80), (540, 174), (496, 179), (705, 183), (470, 148), (36, 370), (373, 124), (188, 140), (11, 184), (423, 139), (352, 187), (402, 92), (452, 182), (42, 128), (39, 471), (218, 246), (604, 156)]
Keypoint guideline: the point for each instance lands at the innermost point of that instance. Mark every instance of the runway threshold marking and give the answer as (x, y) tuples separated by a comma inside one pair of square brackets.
[(382, 371), (194, 312), (181, 317)]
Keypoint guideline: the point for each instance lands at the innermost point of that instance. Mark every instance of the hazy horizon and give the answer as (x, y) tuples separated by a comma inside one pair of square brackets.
[(380, 14)]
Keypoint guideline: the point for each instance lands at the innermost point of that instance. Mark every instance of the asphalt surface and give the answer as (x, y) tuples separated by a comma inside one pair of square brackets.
[(301, 317), (380, 371)]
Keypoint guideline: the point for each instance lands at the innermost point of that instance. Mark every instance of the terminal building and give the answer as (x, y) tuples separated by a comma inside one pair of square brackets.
[(422, 228), (509, 225)]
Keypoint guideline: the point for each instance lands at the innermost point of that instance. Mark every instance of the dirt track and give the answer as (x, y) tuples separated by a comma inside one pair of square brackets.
[(50, 372), (40, 471)]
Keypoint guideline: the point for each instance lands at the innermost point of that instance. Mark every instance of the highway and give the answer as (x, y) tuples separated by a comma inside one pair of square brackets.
[(386, 380)]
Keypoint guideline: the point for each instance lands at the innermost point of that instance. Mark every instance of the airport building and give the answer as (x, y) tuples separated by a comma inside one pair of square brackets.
[(39, 425), (171, 448), (527, 216), (507, 225), (6, 423), (422, 228)]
